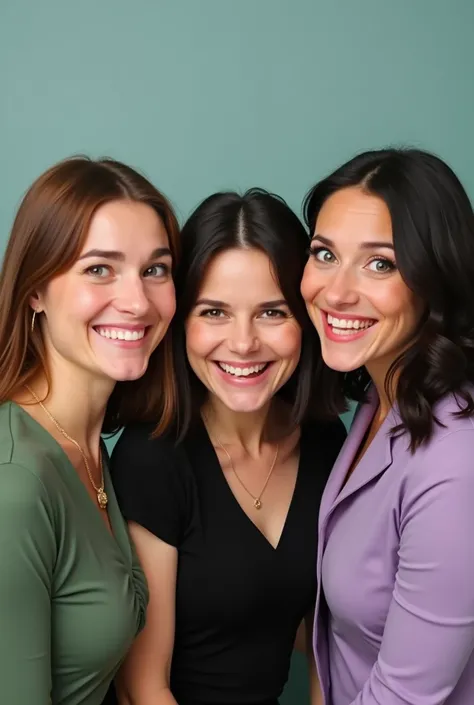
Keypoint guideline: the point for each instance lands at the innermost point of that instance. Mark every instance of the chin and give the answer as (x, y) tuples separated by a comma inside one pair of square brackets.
[(130, 373), (243, 406), (339, 364)]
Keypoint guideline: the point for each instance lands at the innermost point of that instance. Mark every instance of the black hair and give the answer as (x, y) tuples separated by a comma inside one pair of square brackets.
[(255, 220), (433, 237)]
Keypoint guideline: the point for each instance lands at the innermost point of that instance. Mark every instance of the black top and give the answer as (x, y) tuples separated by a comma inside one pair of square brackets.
[(239, 601)]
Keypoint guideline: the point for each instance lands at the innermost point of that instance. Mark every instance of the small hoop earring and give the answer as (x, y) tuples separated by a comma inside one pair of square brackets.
[(33, 321)]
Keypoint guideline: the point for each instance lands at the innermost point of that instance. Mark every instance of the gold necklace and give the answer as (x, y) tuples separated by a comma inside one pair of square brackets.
[(102, 498), (257, 500)]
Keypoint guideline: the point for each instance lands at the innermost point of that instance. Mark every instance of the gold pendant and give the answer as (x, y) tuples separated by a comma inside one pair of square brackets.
[(257, 503), (102, 499)]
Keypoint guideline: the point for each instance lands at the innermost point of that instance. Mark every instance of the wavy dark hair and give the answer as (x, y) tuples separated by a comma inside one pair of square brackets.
[(433, 237), (263, 221)]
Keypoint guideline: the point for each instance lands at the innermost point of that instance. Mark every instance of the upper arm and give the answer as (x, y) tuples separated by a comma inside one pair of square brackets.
[(149, 479), (147, 667), (429, 631), (27, 555), (314, 685)]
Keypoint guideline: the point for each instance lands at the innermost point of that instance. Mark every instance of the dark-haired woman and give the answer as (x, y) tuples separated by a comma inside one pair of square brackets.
[(87, 296), (390, 289), (225, 522)]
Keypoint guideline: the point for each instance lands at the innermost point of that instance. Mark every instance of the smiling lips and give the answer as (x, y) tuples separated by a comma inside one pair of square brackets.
[(126, 336), (243, 372), (346, 329)]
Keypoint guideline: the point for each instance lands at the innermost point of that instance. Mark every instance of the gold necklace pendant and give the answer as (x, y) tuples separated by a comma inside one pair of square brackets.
[(257, 501), (102, 499)]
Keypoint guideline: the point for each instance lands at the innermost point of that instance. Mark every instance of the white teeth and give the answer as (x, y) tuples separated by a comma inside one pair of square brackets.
[(121, 333), (241, 371), (340, 324)]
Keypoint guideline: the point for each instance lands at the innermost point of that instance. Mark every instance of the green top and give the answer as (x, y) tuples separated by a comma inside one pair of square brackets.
[(72, 596)]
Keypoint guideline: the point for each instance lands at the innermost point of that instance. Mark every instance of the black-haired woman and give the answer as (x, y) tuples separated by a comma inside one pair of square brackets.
[(390, 289), (225, 522)]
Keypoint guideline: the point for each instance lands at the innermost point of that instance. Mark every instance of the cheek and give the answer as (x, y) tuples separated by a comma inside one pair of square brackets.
[(309, 283), (166, 304), (164, 301), (73, 303), (286, 341), (201, 339), (399, 302)]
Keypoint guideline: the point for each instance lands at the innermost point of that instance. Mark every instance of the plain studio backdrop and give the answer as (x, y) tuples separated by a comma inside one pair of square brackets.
[(204, 95)]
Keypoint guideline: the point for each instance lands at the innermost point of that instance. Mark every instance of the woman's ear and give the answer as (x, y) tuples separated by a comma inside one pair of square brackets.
[(35, 302)]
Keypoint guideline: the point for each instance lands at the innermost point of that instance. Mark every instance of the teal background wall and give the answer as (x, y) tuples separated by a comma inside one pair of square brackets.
[(210, 94)]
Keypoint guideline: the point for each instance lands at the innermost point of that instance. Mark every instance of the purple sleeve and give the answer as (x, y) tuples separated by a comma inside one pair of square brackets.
[(429, 632)]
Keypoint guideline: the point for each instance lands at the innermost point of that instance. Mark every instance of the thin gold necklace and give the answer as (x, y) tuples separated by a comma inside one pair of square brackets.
[(257, 500), (102, 498)]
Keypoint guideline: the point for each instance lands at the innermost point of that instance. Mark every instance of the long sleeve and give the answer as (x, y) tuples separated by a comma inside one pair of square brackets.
[(429, 632), (26, 564)]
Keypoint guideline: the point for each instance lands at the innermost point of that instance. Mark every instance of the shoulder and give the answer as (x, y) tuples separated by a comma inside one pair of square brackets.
[(451, 432), (139, 459), (446, 459), (25, 458), (138, 445), (27, 511), (153, 482)]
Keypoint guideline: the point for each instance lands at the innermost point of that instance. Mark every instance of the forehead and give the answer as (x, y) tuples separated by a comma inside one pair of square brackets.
[(353, 216), (125, 226), (240, 275)]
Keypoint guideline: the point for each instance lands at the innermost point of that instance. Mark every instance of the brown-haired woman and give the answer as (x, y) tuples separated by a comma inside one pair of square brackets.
[(87, 295)]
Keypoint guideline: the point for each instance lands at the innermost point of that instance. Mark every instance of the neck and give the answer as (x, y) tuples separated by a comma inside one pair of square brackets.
[(378, 375), (76, 400), (246, 429)]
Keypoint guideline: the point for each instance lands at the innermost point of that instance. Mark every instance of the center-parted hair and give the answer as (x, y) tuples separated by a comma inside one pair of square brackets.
[(256, 220), (48, 233), (433, 237)]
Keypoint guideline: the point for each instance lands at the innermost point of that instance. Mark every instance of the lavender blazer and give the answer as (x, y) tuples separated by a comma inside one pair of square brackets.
[(394, 621)]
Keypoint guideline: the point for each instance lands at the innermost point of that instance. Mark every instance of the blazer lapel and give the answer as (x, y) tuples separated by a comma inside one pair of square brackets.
[(374, 462), (376, 459), (362, 419)]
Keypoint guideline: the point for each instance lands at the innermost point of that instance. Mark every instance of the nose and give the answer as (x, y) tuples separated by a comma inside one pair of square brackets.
[(131, 297), (243, 338), (341, 290)]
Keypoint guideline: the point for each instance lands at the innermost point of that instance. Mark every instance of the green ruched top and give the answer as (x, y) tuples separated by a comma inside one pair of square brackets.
[(72, 595)]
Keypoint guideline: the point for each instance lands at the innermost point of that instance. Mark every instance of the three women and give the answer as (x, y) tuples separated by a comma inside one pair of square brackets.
[(224, 520)]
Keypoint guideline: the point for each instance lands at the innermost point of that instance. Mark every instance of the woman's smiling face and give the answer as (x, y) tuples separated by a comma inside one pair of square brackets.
[(242, 340), (363, 311)]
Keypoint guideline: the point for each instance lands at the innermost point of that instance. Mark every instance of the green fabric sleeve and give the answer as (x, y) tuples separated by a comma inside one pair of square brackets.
[(27, 557)]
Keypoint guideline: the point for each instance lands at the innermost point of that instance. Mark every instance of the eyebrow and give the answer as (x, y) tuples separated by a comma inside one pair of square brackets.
[(222, 304), (370, 245), (211, 302), (120, 256)]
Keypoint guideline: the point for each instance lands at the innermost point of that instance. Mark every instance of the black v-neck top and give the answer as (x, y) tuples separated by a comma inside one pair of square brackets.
[(239, 601)]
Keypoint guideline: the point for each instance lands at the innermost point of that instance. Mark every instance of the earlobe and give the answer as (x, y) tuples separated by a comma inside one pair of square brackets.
[(35, 303)]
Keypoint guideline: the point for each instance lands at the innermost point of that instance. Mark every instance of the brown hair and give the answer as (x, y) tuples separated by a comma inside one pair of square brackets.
[(47, 237)]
